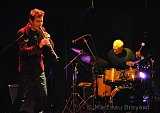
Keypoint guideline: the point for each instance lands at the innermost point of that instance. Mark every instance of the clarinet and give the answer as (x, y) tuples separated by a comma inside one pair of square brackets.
[(52, 50)]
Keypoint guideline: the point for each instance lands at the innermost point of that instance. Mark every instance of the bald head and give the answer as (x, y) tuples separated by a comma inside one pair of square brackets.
[(118, 46)]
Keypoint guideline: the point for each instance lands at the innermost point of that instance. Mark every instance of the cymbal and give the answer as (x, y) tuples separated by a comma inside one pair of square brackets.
[(89, 59), (84, 56), (77, 50)]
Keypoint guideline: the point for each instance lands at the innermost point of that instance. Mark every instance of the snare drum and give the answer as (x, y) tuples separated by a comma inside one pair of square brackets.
[(103, 89), (112, 75)]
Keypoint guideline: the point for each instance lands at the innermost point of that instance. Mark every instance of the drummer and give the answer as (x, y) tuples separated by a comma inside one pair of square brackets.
[(120, 57)]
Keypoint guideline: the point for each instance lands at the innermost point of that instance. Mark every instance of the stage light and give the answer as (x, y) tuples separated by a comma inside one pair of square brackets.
[(142, 75)]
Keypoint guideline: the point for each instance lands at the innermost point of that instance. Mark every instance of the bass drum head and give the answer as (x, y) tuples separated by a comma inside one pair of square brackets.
[(127, 96)]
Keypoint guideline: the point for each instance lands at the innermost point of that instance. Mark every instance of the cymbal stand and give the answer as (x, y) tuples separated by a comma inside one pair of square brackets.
[(72, 103)]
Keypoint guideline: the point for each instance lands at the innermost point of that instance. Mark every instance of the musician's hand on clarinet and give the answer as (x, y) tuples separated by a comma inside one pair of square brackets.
[(44, 41), (47, 41)]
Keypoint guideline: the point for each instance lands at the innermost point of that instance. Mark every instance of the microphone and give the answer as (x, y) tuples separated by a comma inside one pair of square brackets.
[(142, 44), (21, 36), (82, 37), (92, 4)]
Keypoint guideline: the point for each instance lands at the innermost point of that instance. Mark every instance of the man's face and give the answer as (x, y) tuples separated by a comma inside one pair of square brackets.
[(36, 23), (117, 50)]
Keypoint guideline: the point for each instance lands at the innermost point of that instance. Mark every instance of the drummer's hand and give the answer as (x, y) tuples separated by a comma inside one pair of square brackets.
[(138, 54), (130, 63)]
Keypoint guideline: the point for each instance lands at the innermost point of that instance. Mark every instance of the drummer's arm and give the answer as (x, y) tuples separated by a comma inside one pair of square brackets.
[(139, 57), (135, 58), (130, 63)]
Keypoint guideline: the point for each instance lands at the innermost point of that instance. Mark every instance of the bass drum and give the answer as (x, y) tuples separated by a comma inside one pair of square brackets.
[(127, 94), (103, 89), (121, 95)]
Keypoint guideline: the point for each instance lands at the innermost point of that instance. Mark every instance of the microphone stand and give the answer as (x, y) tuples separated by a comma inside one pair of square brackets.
[(10, 44), (93, 73)]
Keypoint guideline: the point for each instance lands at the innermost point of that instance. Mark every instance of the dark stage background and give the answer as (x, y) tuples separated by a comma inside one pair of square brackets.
[(133, 21)]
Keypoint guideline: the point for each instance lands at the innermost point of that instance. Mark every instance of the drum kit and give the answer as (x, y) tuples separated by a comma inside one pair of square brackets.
[(109, 81)]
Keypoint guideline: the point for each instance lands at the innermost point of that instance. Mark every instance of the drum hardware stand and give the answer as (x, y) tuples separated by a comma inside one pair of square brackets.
[(71, 104), (113, 93), (152, 84), (91, 97), (83, 102)]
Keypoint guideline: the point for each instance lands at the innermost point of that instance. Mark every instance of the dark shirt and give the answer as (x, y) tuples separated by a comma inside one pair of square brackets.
[(30, 55), (119, 61)]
